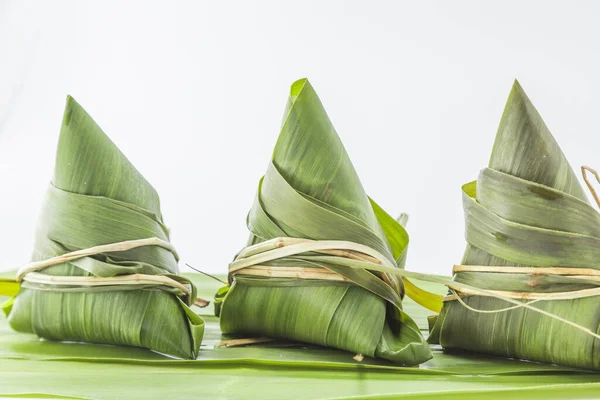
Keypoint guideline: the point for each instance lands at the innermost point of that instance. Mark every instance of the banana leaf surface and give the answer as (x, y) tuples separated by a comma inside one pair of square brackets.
[(311, 191), (526, 209), (97, 197), (32, 367)]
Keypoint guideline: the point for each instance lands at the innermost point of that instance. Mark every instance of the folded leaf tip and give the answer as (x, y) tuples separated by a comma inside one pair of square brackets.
[(297, 86), (517, 84), (69, 106)]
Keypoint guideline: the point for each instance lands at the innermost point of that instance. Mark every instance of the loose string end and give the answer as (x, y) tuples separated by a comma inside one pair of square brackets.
[(207, 274), (584, 170)]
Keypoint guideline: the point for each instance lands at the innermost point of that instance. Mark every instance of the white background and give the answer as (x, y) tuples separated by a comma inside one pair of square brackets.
[(193, 93)]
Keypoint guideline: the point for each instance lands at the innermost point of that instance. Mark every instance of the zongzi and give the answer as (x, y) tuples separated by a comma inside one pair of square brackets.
[(80, 286), (312, 227), (533, 237)]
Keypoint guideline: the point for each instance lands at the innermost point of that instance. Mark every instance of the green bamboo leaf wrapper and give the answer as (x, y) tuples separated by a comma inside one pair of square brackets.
[(311, 190), (97, 197), (526, 209)]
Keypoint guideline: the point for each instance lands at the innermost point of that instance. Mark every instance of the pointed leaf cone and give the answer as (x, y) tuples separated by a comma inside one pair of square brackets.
[(97, 197), (312, 191), (89, 163), (526, 209), (525, 148), (322, 171)]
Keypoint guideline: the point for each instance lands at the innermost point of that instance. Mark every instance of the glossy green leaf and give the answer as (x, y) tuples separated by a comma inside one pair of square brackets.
[(527, 209), (97, 197), (311, 190), (8, 287), (42, 368)]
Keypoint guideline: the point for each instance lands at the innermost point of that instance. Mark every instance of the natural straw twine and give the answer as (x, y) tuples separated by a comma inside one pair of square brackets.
[(248, 263), (28, 273)]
